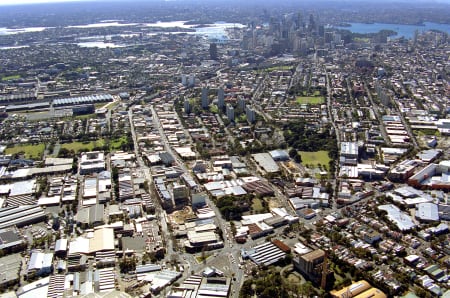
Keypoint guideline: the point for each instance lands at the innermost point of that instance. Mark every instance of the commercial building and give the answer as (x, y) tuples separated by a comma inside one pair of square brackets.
[(402, 171)]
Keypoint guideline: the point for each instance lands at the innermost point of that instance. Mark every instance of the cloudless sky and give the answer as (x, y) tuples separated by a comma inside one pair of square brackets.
[(11, 2)]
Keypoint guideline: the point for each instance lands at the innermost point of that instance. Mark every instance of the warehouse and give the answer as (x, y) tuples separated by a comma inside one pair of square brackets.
[(266, 162), (264, 254), (21, 216), (41, 263), (11, 241), (90, 99), (10, 270), (427, 212)]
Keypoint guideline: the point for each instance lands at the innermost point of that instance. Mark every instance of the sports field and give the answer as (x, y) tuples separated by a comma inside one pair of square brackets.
[(315, 158), (30, 151), (312, 100), (77, 146)]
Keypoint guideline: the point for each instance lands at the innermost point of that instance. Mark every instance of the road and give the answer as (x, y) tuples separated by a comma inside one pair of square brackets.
[(165, 141), (330, 112), (376, 109), (162, 216)]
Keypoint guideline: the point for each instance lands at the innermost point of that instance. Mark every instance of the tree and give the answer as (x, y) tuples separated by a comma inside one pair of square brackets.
[(292, 153)]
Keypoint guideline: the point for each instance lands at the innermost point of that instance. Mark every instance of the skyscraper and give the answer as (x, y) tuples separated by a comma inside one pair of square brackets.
[(213, 51), (187, 106), (230, 112), (205, 100), (220, 99), (250, 114)]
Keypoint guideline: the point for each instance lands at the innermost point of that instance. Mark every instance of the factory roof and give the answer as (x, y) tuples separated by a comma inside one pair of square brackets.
[(103, 240), (427, 212), (403, 221), (266, 162)]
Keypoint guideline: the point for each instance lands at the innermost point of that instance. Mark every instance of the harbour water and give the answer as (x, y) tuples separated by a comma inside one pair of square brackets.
[(217, 30), (406, 31)]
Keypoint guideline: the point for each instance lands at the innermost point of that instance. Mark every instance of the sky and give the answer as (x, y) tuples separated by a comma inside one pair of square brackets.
[(11, 2)]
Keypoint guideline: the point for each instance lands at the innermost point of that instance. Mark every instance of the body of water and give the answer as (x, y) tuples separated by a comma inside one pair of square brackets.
[(11, 31), (406, 31), (99, 44), (217, 30), (13, 47)]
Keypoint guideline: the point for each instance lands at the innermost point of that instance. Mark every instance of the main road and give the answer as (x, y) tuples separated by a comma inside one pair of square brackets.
[(162, 216)]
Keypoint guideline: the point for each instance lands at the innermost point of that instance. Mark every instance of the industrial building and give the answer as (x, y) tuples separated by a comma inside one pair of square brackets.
[(349, 153), (11, 240), (11, 265), (427, 212), (40, 263), (396, 216), (266, 162), (358, 289), (90, 99), (20, 216), (279, 155), (434, 176), (264, 254), (92, 162)]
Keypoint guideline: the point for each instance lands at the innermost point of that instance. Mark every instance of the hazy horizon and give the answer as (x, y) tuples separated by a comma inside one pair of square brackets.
[(25, 2)]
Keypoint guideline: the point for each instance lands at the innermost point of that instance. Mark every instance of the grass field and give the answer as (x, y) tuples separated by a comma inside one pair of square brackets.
[(116, 144), (77, 146), (30, 151), (315, 158), (257, 205), (15, 77), (87, 116), (312, 100), (281, 67)]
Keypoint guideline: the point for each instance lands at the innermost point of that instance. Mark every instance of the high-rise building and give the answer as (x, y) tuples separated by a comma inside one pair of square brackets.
[(184, 79), (187, 106), (310, 265), (241, 103), (213, 51), (220, 99), (250, 114), (205, 100), (191, 81), (230, 112), (188, 80)]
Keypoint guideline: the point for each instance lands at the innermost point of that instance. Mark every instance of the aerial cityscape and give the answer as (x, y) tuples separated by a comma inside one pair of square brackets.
[(208, 148)]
